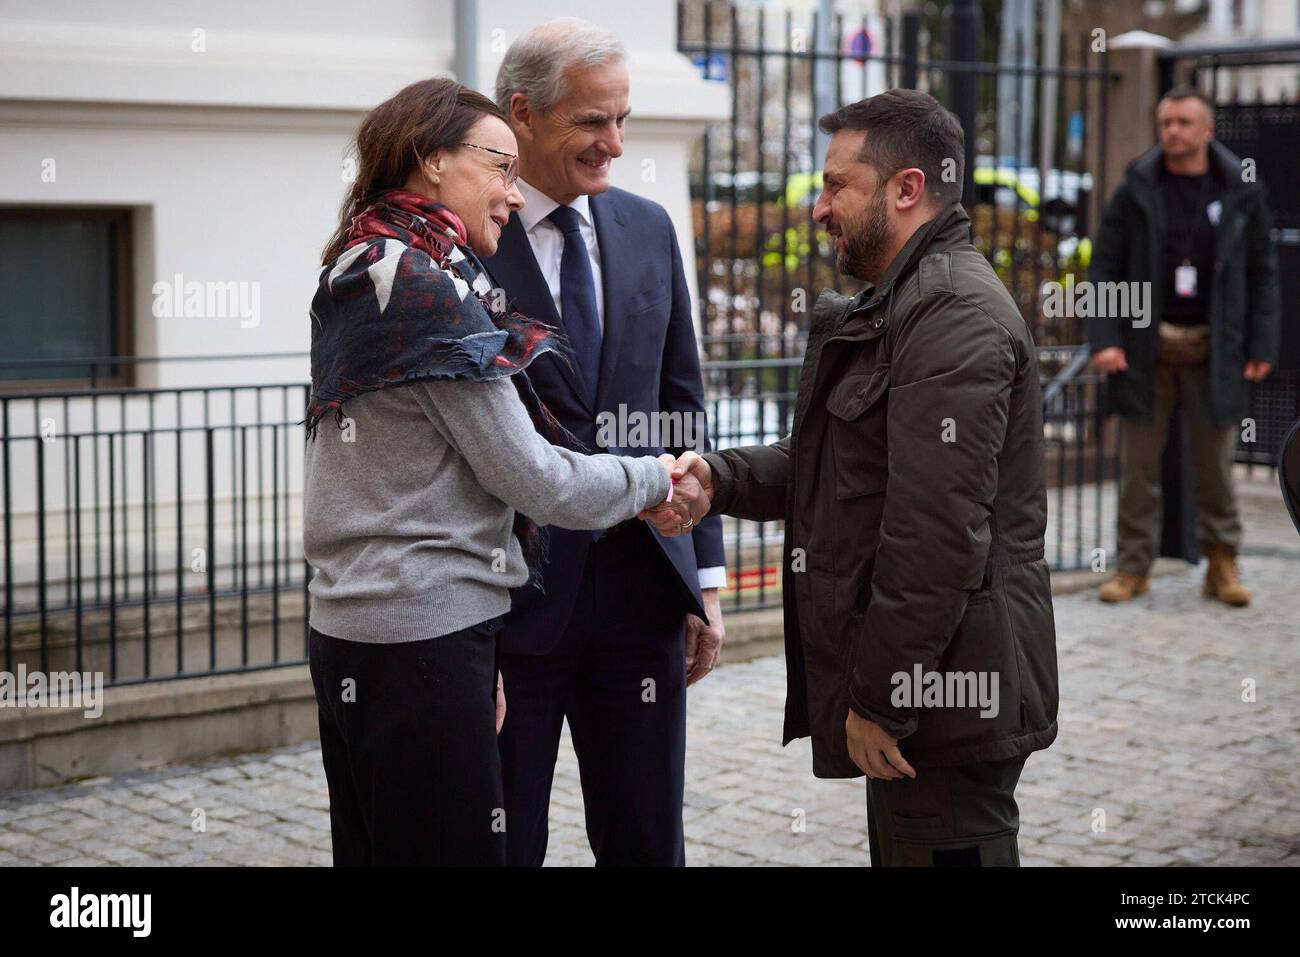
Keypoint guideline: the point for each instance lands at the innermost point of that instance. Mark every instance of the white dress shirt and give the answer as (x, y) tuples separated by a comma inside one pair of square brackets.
[(547, 243)]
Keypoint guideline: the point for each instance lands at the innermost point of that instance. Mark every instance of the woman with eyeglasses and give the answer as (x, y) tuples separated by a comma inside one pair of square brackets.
[(431, 467)]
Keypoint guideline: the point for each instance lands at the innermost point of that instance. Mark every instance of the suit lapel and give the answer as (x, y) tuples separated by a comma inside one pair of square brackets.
[(615, 272), (532, 296)]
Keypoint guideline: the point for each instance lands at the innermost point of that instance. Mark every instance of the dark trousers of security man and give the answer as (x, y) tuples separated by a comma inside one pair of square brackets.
[(1141, 503)]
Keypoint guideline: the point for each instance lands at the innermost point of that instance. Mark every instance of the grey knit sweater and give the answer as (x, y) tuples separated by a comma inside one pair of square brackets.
[(408, 510)]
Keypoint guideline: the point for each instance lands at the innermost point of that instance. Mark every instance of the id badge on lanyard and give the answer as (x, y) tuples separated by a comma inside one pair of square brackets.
[(1185, 275)]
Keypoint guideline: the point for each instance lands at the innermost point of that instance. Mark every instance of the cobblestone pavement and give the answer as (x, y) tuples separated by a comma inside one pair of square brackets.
[(1159, 760)]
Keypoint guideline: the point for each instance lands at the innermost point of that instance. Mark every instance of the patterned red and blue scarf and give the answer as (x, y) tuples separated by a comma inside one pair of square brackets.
[(408, 300)]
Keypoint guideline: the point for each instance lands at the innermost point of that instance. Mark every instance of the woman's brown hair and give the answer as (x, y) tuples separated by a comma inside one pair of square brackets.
[(398, 133)]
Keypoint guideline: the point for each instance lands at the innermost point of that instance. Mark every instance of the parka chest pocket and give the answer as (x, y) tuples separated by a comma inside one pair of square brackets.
[(858, 410)]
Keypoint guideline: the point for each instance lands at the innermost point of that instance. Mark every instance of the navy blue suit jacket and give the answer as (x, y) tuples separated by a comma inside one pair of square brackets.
[(649, 363)]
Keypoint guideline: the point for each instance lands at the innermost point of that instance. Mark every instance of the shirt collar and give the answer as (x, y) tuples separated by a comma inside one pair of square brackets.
[(537, 206)]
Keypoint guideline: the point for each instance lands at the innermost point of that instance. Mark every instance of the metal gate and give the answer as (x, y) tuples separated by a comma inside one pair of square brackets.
[(1033, 104)]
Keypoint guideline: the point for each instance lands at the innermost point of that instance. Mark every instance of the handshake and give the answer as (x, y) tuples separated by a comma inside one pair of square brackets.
[(692, 495)]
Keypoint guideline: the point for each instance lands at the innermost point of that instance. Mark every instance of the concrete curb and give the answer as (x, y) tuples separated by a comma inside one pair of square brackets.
[(147, 725)]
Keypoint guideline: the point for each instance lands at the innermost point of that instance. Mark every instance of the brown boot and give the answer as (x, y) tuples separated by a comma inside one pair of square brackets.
[(1124, 586), (1221, 580)]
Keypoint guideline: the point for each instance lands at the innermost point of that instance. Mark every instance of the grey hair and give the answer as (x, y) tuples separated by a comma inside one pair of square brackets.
[(536, 63)]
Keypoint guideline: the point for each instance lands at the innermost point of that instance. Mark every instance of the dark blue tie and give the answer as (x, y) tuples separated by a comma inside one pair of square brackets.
[(578, 299)]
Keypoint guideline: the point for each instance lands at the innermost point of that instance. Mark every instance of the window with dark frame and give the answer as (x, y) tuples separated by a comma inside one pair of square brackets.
[(65, 293)]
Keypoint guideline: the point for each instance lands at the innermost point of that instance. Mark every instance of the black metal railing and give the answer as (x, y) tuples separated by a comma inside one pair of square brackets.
[(153, 532), (758, 411)]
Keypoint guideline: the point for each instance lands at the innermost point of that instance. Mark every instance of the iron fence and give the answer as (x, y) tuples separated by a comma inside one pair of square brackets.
[(1035, 129), (154, 533)]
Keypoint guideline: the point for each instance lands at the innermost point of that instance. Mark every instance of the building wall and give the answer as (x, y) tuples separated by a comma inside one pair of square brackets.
[(1263, 21), (224, 127)]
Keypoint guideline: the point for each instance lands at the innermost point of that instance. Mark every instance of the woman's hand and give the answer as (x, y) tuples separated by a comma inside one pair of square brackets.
[(670, 513), (501, 703), (692, 496), (668, 461)]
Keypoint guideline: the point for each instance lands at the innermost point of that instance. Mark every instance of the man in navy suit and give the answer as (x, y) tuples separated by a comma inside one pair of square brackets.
[(628, 618)]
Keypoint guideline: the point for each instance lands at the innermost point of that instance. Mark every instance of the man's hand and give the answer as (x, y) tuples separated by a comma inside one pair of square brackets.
[(873, 750), (704, 642), (1110, 360), (501, 703), (1256, 371), (692, 496)]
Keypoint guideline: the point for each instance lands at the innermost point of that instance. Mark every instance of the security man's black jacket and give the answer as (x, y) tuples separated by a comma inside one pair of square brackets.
[(1245, 299)]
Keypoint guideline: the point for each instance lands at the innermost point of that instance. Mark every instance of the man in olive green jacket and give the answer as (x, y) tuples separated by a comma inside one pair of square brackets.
[(920, 641)]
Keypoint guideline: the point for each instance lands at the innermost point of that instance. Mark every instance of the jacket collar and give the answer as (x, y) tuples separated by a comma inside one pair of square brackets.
[(1145, 170), (951, 227)]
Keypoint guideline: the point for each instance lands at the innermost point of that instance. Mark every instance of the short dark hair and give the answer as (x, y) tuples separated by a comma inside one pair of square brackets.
[(1187, 93), (907, 128)]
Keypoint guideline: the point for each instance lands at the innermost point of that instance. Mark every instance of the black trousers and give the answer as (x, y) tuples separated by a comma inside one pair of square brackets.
[(408, 738), (618, 675), (961, 816)]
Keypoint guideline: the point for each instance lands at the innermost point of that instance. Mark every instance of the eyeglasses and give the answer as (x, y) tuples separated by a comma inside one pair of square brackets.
[(511, 172)]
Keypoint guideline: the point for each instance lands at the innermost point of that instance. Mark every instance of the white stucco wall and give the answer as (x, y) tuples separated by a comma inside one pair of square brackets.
[(224, 126)]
